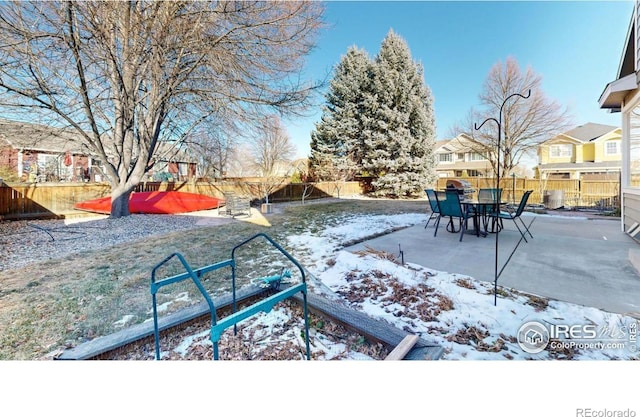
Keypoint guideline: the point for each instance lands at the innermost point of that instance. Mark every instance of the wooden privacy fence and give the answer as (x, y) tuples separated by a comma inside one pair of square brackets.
[(596, 194), (51, 200), (47, 200)]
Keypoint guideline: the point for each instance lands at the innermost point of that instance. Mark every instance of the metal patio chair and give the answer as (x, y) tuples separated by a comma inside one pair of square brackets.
[(451, 207), (515, 216), (433, 203), (489, 194)]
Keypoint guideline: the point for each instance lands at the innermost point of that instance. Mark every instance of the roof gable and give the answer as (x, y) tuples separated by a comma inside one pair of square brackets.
[(461, 143), (589, 131), (614, 92)]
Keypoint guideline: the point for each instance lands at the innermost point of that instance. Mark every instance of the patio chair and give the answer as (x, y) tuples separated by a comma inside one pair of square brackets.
[(489, 194), (433, 203), (511, 215), (451, 207)]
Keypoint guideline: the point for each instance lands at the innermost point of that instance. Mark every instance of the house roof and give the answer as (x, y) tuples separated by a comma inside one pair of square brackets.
[(461, 143), (615, 92), (34, 137), (589, 131)]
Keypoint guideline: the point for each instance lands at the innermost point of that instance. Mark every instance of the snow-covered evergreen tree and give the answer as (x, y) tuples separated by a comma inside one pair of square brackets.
[(399, 123), (336, 144)]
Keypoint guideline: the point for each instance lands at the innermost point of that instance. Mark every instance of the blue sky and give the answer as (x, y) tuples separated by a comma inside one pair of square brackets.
[(574, 45)]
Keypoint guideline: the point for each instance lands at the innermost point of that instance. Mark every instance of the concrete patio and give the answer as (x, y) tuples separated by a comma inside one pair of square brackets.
[(578, 259)]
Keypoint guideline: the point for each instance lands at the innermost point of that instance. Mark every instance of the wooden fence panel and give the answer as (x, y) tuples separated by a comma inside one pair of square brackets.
[(45, 200)]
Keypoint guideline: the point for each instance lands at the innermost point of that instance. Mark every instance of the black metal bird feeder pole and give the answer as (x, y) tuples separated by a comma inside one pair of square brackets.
[(497, 193)]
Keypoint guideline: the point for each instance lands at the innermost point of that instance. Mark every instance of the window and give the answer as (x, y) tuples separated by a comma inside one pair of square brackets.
[(460, 156), (559, 176), (561, 151), (612, 147), (446, 157), (474, 156)]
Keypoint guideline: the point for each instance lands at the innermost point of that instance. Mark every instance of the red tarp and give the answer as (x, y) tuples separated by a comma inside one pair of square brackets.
[(156, 202)]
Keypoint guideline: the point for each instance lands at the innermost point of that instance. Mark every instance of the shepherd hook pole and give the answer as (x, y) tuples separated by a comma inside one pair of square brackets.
[(499, 123)]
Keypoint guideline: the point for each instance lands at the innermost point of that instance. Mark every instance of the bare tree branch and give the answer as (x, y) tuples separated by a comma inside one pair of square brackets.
[(525, 122), (128, 75)]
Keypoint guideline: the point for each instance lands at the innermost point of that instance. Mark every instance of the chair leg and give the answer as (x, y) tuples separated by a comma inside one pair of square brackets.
[(520, 230), (525, 227), (431, 217), (463, 227), (451, 225), (436, 226)]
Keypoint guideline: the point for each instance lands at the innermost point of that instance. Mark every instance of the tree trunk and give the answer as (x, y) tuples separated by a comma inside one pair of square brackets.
[(120, 202)]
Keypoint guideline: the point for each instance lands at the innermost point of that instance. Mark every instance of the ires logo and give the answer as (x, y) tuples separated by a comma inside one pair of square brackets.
[(577, 331), (534, 337)]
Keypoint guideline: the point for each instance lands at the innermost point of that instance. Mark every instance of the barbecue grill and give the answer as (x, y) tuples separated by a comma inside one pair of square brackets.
[(463, 187)]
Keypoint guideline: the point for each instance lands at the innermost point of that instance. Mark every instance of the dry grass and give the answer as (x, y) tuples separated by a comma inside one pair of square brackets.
[(63, 302)]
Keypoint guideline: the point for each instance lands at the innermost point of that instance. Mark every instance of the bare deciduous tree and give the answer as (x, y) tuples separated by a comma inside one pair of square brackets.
[(127, 75), (272, 151), (214, 147), (525, 122), (301, 175), (338, 171)]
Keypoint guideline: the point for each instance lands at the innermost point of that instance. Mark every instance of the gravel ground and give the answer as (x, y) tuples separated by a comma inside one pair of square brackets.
[(25, 242)]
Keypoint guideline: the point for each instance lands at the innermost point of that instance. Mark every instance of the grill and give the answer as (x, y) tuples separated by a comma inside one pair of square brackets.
[(463, 187)]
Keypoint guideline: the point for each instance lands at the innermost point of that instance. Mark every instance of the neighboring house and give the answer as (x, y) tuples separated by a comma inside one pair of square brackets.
[(172, 164), (623, 95), (461, 157), (36, 153), (590, 151)]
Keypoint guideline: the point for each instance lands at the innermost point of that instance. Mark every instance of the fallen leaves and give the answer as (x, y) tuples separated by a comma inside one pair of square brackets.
[(258, 338)]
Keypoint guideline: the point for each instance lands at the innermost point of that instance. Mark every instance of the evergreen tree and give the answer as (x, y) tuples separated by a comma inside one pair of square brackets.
[(399, 123), (336, 144)]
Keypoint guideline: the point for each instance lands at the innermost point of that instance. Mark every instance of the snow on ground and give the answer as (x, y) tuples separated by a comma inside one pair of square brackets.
[(458, 312), (318, 247)]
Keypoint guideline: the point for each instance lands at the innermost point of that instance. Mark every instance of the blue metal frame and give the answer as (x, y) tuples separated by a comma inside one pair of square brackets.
[(265, 305)]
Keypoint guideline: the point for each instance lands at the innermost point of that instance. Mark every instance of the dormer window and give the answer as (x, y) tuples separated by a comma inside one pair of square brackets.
[(561, 151), (446, 157), (612, 147)]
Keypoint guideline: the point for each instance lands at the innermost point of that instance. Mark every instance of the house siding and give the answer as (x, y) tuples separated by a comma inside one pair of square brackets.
[(636, 19), (9, 159), (589, 152), (631, 212), (614, 157), (630, 193)]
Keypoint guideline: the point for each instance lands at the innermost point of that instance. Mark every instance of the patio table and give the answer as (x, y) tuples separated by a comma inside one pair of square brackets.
[(478, 210)]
